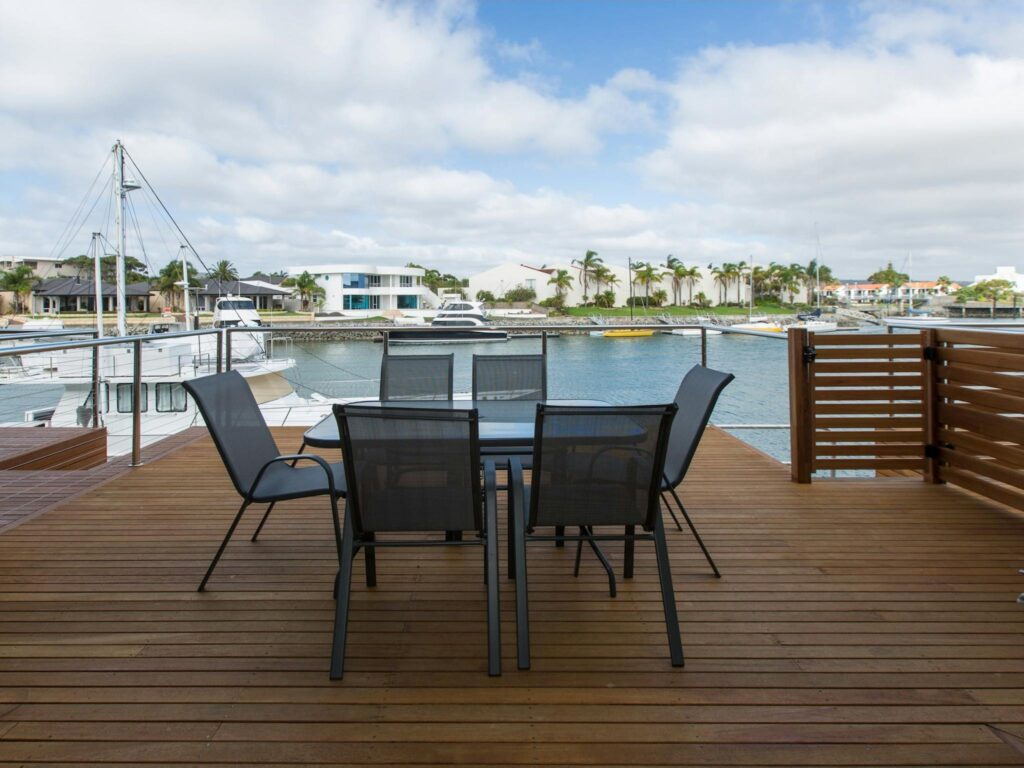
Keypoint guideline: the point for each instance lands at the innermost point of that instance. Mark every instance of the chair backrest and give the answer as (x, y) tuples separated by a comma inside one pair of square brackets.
[(236, 425), (510, 377), (696, 399), (598, 465), (416, 377), (411, 469)]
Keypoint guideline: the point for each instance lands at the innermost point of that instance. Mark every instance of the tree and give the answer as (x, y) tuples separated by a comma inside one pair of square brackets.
[(889, 277), (562, 281), (987, 290), (738, 276), (224, 271), (722, 278), (134, 270), (647, 275), (944, 283), (306, 285), (168, 282), (485, 296), (659, 297), (605, 299), (588, 266), (818, 274), (19, 281), (689, 275)]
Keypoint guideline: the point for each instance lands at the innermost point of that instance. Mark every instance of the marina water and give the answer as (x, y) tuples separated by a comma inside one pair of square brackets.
[(637, 370)]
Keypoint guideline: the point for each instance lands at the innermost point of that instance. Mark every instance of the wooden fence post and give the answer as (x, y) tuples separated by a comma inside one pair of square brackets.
[(929, 394), (801, 437)]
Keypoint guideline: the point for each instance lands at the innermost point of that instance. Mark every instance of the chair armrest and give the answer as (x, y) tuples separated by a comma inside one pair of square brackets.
[(296, 457)]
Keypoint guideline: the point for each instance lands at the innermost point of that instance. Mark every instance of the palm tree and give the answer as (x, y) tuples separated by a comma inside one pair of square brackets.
[(675, 270), (690, 275), (562, 281), (944, 283), (588, 266), (18, 281), (722, 278), (307, 287), (738, 277), (169, 282), (646, 275), (224, 271)]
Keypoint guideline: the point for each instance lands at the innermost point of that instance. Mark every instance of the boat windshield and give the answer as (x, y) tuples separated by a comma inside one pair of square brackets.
[(236, 304)]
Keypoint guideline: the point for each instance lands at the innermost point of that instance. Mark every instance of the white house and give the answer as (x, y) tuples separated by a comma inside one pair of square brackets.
[(364, 290), (1005, 273), (44, 268)]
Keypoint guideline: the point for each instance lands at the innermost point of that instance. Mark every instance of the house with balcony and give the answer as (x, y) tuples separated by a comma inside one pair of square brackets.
[(364, 290)]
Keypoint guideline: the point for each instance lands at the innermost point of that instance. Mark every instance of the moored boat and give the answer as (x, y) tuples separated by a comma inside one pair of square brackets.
[(457, 322)]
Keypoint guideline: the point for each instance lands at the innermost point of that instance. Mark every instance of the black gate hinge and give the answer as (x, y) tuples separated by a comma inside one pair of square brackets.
[(931, 451), (810, 354), (931, 353)]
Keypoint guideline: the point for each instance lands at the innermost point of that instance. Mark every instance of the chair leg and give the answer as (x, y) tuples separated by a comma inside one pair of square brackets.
[(627, 552), (587, 532), (491, 573), (522, 606), (259, 527), (579, 556), (671, 511), (370, 561), (693, 529), (510, 538), (559, 531), (223, 544), (668, 598), (343, 586)]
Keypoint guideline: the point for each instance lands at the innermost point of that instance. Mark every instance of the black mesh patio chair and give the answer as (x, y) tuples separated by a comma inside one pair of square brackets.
[(697, 395), (510, 377), (258, 471), (593, 466), (414, 470), (416, 377)]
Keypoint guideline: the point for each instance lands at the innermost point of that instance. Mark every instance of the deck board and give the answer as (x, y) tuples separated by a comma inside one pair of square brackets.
[(859, 622)]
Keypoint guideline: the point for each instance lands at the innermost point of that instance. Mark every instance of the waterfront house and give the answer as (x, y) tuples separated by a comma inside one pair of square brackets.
[(365, 290), (72, 294)]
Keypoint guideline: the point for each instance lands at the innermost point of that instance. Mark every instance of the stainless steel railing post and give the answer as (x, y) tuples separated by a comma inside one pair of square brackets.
[(220, 351), (95, 386), (227, 349), (137, 403), (704, 346)]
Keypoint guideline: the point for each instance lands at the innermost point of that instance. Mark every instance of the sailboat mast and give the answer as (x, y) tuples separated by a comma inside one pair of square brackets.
[(184, 283), (119, 191), (751, 312), (97, 253)]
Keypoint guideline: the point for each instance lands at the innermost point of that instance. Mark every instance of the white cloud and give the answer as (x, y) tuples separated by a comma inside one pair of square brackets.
[(289, 133)]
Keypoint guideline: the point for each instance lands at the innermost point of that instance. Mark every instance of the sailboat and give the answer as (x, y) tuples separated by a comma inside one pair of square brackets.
[(165, 361), (757, 323)]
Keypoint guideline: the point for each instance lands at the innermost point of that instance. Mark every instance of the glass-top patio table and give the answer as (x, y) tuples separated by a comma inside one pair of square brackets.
[(503, 423)]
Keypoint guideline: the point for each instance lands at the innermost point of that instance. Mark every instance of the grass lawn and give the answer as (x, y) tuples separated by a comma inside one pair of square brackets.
[(759, 309)]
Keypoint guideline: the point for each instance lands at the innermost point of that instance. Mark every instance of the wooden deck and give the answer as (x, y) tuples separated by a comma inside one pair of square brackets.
[(859, 622), (31, 449)]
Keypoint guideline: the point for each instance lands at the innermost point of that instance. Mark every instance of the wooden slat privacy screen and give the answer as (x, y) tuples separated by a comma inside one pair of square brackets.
[(862, 402), (946, 401)]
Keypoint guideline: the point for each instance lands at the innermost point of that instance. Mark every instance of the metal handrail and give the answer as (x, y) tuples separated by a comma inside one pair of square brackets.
[(106, 341), (9, 333)]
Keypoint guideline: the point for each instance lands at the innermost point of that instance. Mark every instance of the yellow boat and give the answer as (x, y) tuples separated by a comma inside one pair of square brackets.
[(627, 333)]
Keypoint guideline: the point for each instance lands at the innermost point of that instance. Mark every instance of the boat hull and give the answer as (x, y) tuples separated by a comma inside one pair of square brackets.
[(627, 334), (446, 336)]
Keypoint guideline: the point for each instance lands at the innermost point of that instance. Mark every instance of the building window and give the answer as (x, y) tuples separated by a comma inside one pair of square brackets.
[(374, 302), (356, 301), (532, 285), (373, 281), (124, 398), (170, 397), (405, 281), (326, 278), (353, 280), (408, 302)]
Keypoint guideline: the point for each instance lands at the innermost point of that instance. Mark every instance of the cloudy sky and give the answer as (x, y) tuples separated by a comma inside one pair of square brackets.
[(464, 134)]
